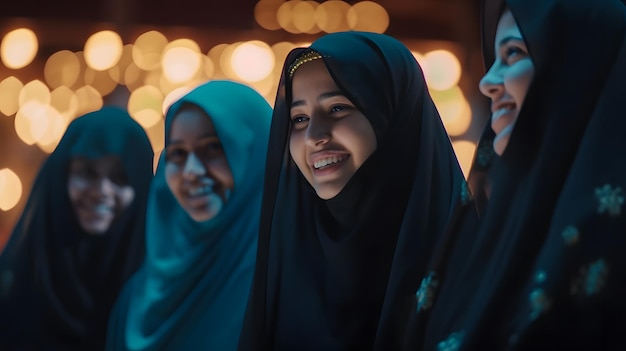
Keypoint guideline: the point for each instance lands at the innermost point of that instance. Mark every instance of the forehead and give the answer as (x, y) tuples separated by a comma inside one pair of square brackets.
[(507, 27), (102, 163), (311, 78), (190, 122)]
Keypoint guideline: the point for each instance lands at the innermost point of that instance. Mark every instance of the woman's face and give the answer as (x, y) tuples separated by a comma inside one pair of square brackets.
[(98, 191), (330, 138), (196, 169), (508, 79)]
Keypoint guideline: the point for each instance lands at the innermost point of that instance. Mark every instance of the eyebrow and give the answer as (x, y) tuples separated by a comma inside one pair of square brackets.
[(203, 136), (321, 97), (506, 40)]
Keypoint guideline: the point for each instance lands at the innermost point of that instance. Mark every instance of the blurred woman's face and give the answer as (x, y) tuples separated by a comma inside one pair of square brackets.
[(99, 191), (507, 81), (197, 171)]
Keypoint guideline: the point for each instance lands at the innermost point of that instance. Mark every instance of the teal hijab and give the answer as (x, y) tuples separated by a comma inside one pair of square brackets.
[(192, 289)]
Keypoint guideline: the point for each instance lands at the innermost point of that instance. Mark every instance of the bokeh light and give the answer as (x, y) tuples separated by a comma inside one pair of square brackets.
[(103, 50), (10, 89), (100, 80), (465, 154), (31, 121), (265, 14), (253, 61), (331, 16), (10, 189), (455, 111), (18, 48), (64, 101), (145, 105), (444, 69), (173, 96), (56, 126), (284, 15), (368, 16), (303, 17), (181, 60), (117, 72), (61, 68), (35, 90), (89, 100), (147, 50)]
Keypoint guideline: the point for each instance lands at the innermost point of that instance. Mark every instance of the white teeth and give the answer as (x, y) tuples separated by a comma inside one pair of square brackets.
[(327, 161), (102, 208), (200, 191)]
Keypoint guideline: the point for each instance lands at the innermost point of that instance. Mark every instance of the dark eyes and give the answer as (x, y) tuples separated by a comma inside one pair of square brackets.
[(334, 111), (514, 53), (212, 149)]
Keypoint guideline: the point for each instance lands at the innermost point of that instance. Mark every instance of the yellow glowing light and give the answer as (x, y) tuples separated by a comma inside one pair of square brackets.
[(368, 16), (267, 86), (61, 68), (133, 77), (226, 60), (19, 48), (117, 72), (421, 60), (34, 90), (208, 67), (10, 89), (465, 154), (89, 99), (10, 189), (31, 121), (145, 104), (215, 55), (147, 50), (63, 100), (252, 61), (455, 111), (57, 124), (284, 16), (265, 14), (181, 60), (444, 69), (80, 82), (103, 50), (331, 16), (303, 17), (100, 80), (173, 96)]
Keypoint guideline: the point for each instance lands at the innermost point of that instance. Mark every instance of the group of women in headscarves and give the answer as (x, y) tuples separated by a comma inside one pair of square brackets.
[(340, 219)]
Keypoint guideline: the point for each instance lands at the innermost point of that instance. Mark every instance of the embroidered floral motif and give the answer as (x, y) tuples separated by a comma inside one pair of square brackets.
[(610, 200), (539, 303), (485, 153), (591, 279), (452, 343), (571, 235), (540, 276), (466, 195), (426, 293)]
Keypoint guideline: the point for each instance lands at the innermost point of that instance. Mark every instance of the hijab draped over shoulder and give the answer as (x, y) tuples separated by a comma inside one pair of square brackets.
[(191, 291), (58, 283), (545, 267), (341, 274)]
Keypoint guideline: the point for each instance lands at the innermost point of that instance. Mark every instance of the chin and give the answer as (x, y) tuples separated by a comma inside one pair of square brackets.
[(499, 144)]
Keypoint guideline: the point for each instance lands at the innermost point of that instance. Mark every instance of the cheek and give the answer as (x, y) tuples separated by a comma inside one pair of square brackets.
[(172, 176), (220, 171), (296, 150), (125, 196), (518, 80), (75, 188)]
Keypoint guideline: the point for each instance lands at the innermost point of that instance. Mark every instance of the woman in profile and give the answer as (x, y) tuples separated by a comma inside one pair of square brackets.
[(202, 226), (360, 181), (79, 238), (544, 269)]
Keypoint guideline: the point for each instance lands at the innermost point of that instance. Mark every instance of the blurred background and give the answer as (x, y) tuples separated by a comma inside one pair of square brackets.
[(61, 59)]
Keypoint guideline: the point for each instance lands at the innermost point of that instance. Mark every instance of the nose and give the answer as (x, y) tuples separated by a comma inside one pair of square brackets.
[(318, 131), (492, 83), (105, 187), (193, 167)]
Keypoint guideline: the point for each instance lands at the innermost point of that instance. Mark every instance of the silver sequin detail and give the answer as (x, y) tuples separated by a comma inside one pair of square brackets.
[(426, 293), (571, 235), (610, 200), (452, 343), (540, 277), (539, 303), (591, 279)]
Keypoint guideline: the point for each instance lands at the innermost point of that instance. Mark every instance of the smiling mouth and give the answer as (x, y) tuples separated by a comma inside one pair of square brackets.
[(328, 161), (501, 118), (200, 191)]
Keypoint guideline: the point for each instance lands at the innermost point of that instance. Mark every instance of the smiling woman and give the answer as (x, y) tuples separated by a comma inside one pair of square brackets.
[(360, 181), (79, 238)]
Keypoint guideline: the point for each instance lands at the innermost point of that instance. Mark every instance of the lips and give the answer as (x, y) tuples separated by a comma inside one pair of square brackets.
[(199, 196), (504, 115), (97, 210)]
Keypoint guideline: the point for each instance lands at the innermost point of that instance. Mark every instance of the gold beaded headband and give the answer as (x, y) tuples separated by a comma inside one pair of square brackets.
[(302, 59)]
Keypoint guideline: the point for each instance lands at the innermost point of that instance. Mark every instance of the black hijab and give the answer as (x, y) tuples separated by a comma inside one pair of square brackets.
[(58, 283), (336, 274), (545, 266)]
